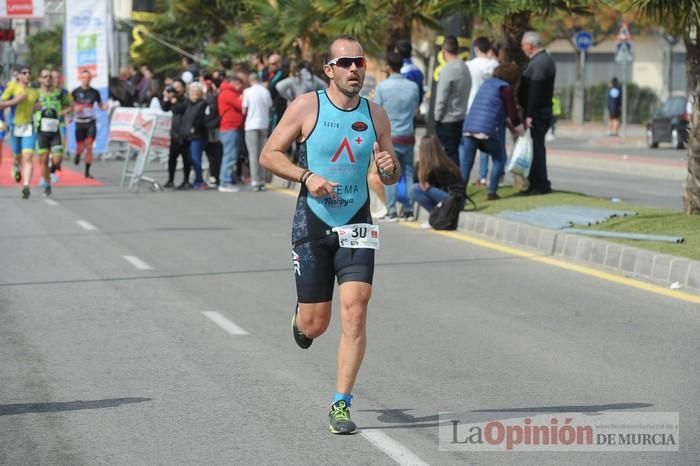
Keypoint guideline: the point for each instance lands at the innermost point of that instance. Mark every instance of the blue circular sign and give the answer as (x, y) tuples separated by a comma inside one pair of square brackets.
[(583, 40)]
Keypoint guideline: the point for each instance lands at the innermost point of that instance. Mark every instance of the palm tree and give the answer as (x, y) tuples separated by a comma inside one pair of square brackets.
[(682, 17)]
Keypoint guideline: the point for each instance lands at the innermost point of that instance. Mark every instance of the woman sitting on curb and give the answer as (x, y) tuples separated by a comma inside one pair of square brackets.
[(436, 173)]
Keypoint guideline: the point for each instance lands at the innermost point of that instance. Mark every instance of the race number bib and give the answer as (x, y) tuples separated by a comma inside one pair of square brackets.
[(358, 235), (23, 131), (49, 125)]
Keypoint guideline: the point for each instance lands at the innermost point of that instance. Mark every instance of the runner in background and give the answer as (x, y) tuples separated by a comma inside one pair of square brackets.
[(21, 97), (53, 104), (57, 79), (84, 100), (3, 127)]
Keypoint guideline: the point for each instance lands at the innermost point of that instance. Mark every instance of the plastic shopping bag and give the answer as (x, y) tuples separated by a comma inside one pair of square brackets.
[(521, 158)]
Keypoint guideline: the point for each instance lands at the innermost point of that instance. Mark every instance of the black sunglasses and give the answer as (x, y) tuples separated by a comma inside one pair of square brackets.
[(346, 62)]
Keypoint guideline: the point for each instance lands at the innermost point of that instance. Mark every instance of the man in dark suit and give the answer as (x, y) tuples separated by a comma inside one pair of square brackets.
[(535, 96)]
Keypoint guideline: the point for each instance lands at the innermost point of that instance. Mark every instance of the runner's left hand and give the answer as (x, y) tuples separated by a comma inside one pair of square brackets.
[(385, 162)]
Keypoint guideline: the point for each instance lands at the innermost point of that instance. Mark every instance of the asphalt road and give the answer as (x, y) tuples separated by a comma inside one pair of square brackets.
[(109, 354), (632, 189)]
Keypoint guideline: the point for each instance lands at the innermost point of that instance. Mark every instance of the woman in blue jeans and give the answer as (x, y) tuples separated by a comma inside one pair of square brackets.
[(436, 173), (194, 130), (484, 126)]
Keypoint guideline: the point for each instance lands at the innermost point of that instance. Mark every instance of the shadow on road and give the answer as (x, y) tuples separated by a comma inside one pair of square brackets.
[(58, 406), (403, 420)]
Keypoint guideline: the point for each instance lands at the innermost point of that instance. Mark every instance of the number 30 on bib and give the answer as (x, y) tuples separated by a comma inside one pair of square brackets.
[(358, 235)]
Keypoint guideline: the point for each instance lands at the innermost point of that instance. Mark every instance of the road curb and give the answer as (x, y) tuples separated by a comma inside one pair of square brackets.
[(661, 269)]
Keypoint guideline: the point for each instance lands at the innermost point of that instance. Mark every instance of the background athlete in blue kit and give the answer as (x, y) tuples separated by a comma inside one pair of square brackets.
[(339, 135)]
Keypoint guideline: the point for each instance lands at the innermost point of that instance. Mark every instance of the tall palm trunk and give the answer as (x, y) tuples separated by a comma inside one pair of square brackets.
[(691, 195), (514, 26)]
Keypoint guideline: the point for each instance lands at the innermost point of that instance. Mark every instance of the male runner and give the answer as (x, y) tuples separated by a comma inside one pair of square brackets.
[(21, 97), (57, 79), (3, 127), (337, 132), (84, 100), (47, 120)]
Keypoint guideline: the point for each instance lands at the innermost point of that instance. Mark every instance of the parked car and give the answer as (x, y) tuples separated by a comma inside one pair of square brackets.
[(669, 123)]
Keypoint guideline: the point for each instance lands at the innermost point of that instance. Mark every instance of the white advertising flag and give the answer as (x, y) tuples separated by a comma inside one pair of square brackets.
[(86, 42)]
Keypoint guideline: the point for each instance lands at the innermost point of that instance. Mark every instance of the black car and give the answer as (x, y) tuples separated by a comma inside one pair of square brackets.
[(669, 123)]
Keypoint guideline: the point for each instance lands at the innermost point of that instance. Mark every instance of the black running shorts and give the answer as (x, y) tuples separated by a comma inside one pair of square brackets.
[(84, 131), (318, 262), (49, 142)]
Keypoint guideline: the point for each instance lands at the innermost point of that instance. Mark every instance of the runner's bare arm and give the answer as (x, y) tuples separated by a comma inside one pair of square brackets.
[(290, 128), (389, 168), (13, 101)]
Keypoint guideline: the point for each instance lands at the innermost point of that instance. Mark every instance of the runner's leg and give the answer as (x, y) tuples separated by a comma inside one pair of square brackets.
[(88, 156), (354, 297)]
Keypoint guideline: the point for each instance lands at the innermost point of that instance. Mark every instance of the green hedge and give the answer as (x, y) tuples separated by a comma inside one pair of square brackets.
[(641, 102)]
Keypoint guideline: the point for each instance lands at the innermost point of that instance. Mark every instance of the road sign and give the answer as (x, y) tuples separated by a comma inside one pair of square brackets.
[(583, 40), (624, 34), (623, 52)]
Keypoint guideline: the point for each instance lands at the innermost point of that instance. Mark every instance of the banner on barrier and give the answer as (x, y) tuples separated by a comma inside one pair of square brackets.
[(142, 128)]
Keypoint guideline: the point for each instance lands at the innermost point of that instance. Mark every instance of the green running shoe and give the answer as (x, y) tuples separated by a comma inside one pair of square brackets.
[(339, 417), (25, 192), (301, 340), (17, 173)]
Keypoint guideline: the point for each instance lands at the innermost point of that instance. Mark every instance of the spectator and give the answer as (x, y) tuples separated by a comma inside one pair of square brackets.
[(399, 98), (157, 90), (271, 75), (614, 104), (134, 77), (436, 173), (408, 69), (535, 97), (194, 131), (480, 68), (174, 101), (451, 98), (148, 87), (257, 103), (230, 107), (484, 125), (556, 113), (213, 147), (187, 64), (120, 88), (300, 81)]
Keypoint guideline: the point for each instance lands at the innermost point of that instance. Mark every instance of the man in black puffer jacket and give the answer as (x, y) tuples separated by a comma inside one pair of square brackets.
[(174, 101), (194, 131)]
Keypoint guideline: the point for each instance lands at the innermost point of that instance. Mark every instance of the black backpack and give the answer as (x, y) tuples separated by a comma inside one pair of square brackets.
[(445, 216)]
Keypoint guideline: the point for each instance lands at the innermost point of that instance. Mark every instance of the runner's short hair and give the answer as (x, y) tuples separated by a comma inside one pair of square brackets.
[(451, 45), (329, 54), (483, 44), (394, 60)]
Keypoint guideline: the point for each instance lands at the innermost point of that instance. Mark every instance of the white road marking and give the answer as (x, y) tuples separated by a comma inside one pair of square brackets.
[(86, 225), (138, 263), (51, 202), (224, 323), (391, 447)]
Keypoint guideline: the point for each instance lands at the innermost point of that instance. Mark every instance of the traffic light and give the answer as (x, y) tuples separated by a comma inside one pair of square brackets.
[(7, 35)]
